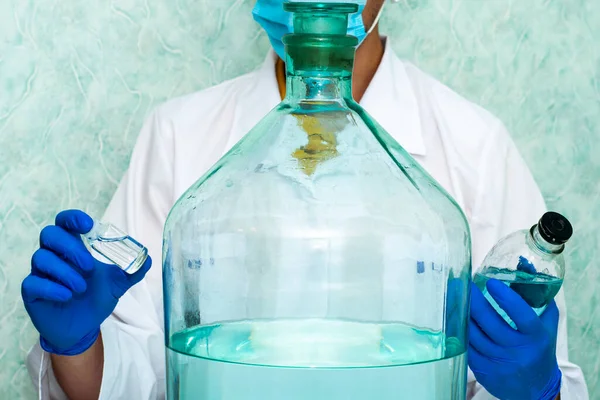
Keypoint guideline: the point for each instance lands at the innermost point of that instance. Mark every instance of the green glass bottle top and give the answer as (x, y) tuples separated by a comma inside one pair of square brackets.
[(320, 18), (319, 41)]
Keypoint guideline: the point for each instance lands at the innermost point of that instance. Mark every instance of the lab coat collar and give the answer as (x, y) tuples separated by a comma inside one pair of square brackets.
[(390, 99)]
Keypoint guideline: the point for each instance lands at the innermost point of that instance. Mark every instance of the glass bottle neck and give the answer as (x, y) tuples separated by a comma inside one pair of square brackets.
[(315, 88), (319, 68), (539, 242)]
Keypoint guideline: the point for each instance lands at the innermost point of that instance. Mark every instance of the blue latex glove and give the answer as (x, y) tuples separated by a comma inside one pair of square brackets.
[(68, 293), (513, 364)]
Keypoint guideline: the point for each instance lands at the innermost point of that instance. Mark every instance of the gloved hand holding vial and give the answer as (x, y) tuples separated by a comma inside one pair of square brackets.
[(69, 292)]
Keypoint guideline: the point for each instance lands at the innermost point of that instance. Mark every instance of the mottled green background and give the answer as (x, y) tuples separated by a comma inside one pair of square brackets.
[(78, 77)]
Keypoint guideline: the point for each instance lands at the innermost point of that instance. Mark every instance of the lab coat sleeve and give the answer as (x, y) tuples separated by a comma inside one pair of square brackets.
[(134, 366), (508, 199)]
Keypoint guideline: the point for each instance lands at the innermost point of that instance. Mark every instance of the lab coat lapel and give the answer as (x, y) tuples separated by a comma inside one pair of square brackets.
[(261, 98), (391, 101)]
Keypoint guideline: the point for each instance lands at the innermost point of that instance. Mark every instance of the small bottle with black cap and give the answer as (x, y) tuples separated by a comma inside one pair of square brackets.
[(530, 262)]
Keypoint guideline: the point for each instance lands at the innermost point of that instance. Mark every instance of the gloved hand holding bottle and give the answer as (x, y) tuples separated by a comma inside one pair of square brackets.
[(510, 363), (69, 293)]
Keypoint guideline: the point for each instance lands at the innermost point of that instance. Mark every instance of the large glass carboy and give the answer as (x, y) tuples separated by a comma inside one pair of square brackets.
[(316, 260)]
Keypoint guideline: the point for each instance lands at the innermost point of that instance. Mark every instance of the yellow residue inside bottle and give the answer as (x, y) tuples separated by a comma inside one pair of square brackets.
[(321, 132), (322, 140)]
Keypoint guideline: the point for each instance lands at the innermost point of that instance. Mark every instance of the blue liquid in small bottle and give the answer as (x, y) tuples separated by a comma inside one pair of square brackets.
[(536, 288)]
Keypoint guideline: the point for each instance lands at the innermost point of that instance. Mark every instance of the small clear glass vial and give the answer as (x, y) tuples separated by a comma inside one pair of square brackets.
[(116, 247)]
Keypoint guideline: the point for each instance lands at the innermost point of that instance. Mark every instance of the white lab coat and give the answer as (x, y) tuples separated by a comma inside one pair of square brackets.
[(465, 148)]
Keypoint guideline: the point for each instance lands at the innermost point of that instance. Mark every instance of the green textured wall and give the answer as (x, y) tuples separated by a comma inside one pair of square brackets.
[(77, 79)]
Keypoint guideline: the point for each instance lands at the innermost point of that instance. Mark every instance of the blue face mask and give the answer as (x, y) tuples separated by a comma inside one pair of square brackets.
[(277, 23)]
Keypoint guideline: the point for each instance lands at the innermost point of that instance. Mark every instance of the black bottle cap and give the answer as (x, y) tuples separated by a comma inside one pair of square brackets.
[(554, 228)]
